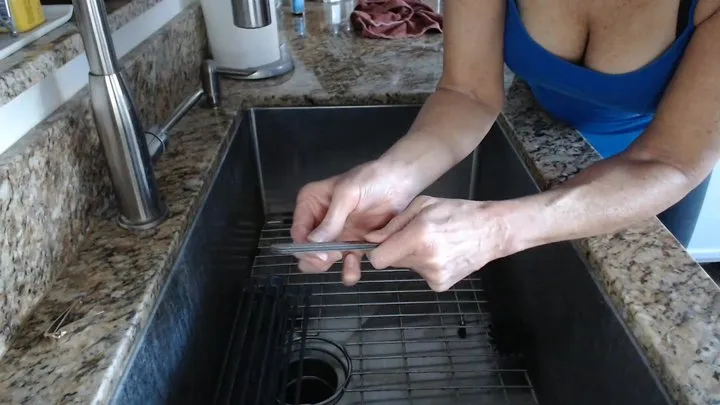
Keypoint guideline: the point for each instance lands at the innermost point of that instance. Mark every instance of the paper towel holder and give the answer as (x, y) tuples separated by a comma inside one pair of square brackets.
[(251, 15), (278, 68)]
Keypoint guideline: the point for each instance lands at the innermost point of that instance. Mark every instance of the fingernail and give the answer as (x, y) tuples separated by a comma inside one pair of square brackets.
[(321, 256), (316, 237)]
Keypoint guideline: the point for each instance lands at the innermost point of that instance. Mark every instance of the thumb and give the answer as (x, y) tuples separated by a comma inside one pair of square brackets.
[(342, 204), (396, 249)]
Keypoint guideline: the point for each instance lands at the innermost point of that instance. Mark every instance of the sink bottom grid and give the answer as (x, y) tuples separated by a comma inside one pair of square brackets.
[(408, 344)]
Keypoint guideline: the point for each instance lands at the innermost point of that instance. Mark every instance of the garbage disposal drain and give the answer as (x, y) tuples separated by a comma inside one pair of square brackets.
[(318, 373), (318, 381)]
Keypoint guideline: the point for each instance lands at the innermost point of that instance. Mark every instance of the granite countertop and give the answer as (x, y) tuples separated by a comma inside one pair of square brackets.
[(28, 66), (667, 301)]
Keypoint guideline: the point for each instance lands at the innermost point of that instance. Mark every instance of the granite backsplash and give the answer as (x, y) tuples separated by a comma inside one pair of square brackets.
[(55, 179)]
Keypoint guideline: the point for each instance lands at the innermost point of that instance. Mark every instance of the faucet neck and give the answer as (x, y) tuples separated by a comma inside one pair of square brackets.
[(91, 19)]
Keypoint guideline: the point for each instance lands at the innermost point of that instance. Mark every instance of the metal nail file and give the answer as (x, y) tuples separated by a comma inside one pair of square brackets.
[(292, 248)]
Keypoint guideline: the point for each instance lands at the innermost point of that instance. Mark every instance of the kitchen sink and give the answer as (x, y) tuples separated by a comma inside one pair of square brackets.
[(533, 328)]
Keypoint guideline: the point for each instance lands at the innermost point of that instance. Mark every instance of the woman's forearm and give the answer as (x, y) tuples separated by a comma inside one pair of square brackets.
[(449, 126), (470, 94), (605, 198)]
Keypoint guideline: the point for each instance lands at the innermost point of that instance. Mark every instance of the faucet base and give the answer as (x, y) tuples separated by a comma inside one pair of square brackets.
[(125, 223), (282, 66)]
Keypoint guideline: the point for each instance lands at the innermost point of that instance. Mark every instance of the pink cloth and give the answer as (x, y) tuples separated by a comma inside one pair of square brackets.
[(390, 19)]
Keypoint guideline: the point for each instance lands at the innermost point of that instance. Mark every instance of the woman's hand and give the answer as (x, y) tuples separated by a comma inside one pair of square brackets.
[(346, 208), (443, 240)]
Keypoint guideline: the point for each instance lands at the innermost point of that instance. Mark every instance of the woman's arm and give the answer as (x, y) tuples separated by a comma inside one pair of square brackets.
[(468, 99), (673, 156)]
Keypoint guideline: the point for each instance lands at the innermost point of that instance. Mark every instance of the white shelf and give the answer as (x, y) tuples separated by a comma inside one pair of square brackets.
[(55, 16)]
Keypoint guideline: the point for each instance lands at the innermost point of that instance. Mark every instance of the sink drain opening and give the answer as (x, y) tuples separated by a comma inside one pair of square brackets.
[(317, 374), (317, 384)]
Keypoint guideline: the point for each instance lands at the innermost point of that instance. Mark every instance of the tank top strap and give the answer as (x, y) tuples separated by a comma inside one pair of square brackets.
[(691, 14)]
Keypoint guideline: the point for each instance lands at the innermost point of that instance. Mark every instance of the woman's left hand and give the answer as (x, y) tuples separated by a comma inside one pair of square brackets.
[(443, 240)]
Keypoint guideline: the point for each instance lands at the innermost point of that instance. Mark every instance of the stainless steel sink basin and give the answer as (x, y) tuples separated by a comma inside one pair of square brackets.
[(532, 328)]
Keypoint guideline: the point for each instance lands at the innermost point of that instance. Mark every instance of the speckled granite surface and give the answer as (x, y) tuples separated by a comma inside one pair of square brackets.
[(25, 68), (55, 178), (669, 304)]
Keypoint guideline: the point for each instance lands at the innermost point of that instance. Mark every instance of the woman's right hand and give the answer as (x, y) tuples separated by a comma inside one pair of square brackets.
[(348, 207)]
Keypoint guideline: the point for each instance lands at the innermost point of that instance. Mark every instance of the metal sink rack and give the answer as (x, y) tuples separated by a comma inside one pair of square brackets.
[(408, 345), (256, 364)]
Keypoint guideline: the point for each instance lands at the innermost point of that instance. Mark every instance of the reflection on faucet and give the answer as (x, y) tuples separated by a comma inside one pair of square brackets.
[(118, 124)]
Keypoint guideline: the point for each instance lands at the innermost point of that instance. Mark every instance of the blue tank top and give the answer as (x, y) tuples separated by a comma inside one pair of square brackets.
[(610, 110)]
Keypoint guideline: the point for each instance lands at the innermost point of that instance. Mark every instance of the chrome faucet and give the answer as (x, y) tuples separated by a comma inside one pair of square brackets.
[(129, 149)]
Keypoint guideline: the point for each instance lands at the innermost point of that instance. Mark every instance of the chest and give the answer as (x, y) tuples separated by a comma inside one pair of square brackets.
[(609, 36)]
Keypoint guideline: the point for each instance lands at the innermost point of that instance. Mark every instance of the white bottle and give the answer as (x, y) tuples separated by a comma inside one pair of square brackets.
[(233, 47)]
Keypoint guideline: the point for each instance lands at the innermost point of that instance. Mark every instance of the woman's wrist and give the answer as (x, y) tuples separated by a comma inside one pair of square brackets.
[(415, 162), (524, 222), (405, 178)]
